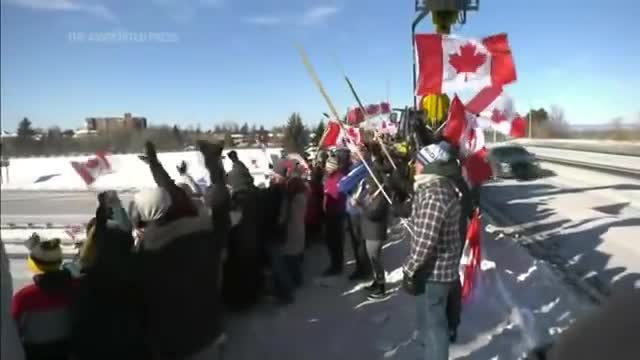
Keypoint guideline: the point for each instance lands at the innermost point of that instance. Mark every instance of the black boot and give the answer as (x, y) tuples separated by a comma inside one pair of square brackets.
[(378, 291), (453, 335)]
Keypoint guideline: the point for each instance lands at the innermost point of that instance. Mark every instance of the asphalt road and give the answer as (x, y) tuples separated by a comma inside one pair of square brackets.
[(65, 208), (584, 222)]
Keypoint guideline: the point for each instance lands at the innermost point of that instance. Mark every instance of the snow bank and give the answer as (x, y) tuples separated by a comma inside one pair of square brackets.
[(129, 172)]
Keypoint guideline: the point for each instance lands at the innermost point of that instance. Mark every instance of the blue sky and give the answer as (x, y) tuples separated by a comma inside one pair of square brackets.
[(212, 61)]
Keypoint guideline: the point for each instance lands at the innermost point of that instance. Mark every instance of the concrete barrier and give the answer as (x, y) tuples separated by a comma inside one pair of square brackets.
[(629, 148)]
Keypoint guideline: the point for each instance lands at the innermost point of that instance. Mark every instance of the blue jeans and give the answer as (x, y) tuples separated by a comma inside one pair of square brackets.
[(433, 328)]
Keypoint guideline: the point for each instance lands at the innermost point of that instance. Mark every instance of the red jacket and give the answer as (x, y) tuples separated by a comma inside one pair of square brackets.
[(42, 312)]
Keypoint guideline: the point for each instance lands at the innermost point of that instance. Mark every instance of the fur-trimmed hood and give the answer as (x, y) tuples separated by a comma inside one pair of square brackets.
[(159, 236)]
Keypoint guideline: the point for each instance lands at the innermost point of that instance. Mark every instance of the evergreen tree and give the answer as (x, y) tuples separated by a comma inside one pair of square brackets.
[(25, 129), (296, 136), (244, 129), (25, 137), (263, 135), (177, 135), (318, 132)]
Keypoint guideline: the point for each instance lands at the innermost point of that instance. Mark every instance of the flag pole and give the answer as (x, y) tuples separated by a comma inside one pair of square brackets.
[(334, 112), (375, 133)]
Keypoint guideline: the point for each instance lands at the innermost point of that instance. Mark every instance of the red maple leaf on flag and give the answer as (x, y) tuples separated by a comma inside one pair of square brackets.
[(498, 116), (354, 135), (468, 60)]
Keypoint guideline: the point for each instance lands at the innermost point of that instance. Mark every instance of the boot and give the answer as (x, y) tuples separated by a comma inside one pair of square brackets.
[(378, 292), (453, 336)]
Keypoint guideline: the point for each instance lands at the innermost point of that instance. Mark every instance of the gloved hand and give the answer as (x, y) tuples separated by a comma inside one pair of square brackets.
[(413, 285), (150, 151), (408, 284), (182, 168)]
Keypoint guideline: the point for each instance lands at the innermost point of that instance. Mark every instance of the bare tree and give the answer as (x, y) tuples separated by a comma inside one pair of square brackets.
[(558, 125)]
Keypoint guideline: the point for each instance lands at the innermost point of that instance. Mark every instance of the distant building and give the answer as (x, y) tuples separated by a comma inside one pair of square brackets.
[(106, 124)]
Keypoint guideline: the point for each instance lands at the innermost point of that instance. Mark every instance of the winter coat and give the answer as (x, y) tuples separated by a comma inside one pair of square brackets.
[(274, 209), (42, 312), (295, 233), (314, 213), (11, 345), (242, 280), (239, 178), (187, 179), (107, 311), (375, 214), (179, 281)]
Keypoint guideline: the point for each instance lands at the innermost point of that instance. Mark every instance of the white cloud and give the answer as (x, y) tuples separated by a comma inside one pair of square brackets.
[(264, 20), (312, 16), (96, 9), (185, 10), (318, 14)]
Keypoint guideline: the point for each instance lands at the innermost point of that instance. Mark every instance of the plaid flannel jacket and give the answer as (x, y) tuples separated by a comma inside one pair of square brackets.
[(436, 247)]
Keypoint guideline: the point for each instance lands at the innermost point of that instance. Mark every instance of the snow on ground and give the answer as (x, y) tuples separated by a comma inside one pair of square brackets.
[(129, 172), (69, 235), (519, 303)]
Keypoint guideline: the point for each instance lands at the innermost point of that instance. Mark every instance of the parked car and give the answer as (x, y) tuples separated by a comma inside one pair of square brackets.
[(513, 161)]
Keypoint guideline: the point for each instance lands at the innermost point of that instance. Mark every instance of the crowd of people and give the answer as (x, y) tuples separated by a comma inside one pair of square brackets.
[(154, 280)]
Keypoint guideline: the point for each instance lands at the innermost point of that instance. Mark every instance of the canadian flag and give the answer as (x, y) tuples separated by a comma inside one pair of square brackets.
[(93, 168), (497, 111), (472, 254), (448, 63), (462, 131), (355, 115), (341, 136), (387, 127)]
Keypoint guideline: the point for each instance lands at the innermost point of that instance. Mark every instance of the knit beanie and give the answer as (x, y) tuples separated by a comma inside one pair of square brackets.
[(440, 152), (45, 255)]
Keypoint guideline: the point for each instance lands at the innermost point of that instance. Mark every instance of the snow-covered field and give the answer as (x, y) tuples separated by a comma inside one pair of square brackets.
[(129, 172)]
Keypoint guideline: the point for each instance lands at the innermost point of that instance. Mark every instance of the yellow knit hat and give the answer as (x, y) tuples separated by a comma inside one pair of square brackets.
[(44, 254)]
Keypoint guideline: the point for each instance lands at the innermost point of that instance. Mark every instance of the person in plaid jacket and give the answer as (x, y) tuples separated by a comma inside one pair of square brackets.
[(431, 269)]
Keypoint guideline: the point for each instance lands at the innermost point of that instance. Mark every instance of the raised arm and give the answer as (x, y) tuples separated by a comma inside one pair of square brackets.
[(160, 175)]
